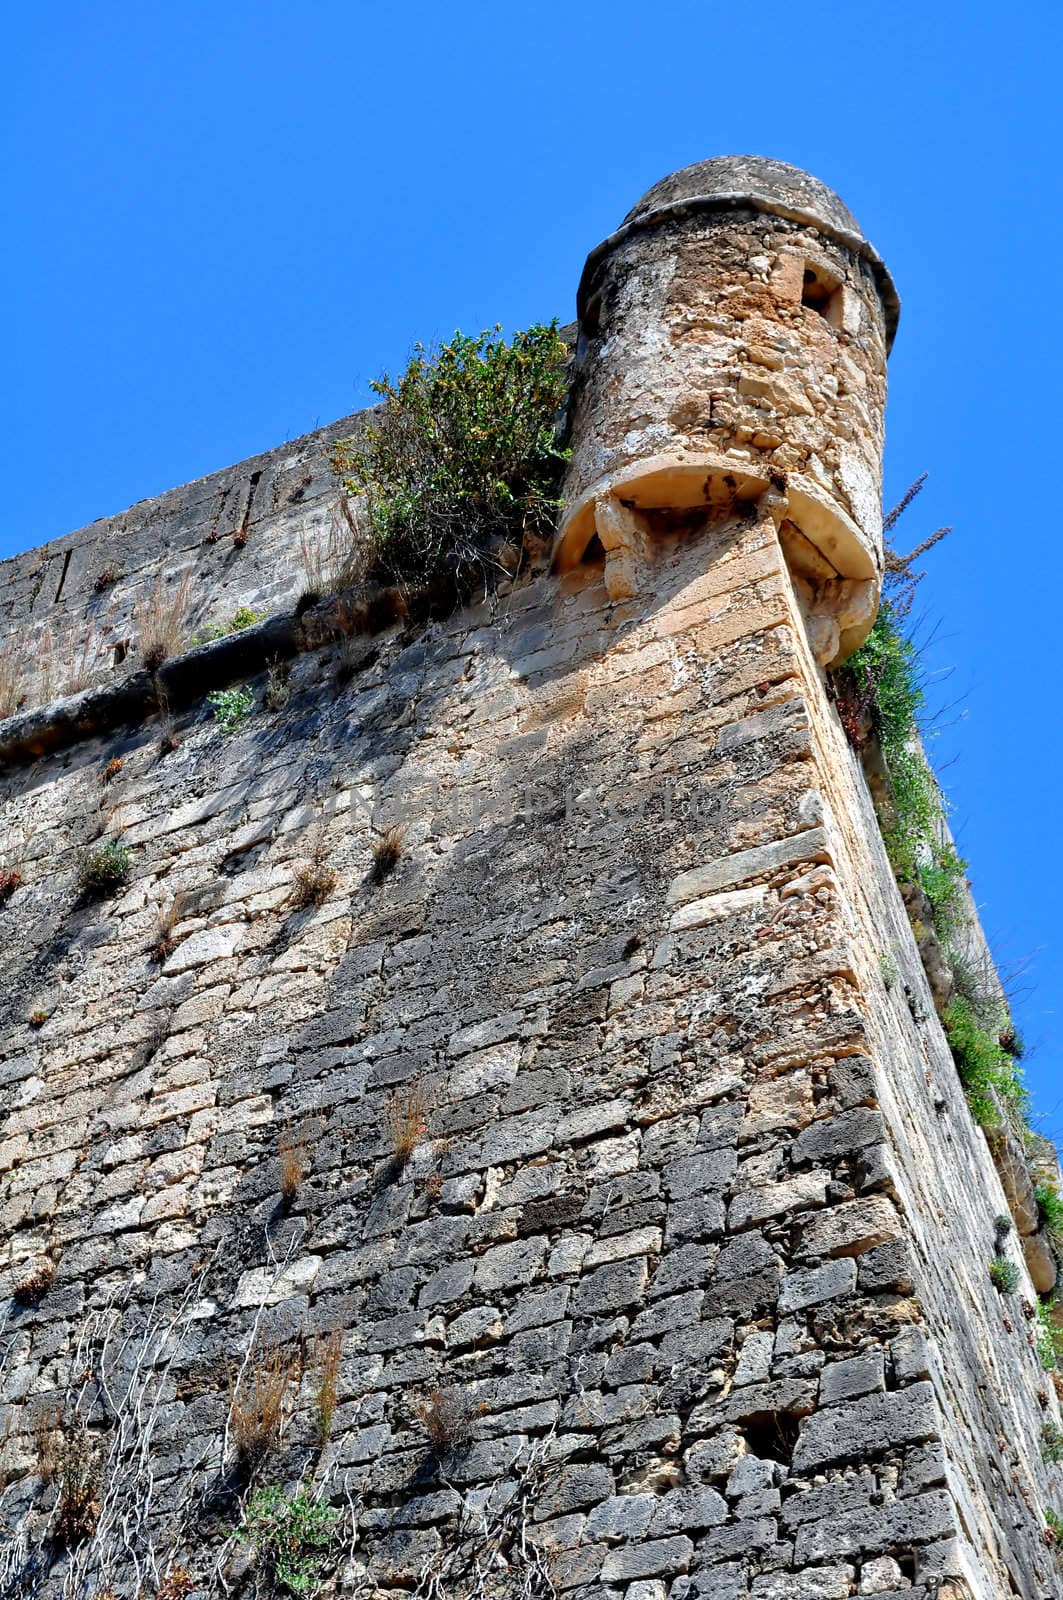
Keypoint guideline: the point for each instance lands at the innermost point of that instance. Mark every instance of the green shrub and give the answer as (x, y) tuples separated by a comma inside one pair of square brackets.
[(880, 682), (231, 707), (1004, 1275), (990, 1076), (1049, 1337), (243, 617), (1052, 1442), (103, 869), (291, 1533), (460, 460), (1049, 1206)]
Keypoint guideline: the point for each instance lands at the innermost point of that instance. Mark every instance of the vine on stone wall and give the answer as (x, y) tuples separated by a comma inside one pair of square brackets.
[(881, 702)]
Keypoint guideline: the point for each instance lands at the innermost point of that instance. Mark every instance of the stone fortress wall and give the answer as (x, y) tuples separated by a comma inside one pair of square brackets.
[(691, 1247)]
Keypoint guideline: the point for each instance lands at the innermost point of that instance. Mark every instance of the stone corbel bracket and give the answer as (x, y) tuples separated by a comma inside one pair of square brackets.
[(835, 575)]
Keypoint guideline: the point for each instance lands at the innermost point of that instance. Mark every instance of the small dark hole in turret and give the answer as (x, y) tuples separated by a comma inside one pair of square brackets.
[(773, 1435), (816, 293)]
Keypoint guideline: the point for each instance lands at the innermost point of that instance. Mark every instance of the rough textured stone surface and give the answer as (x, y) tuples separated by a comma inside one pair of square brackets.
[(648, 1229)]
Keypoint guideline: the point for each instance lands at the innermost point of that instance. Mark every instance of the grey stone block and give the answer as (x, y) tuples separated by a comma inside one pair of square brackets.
[(449, 1283), (688, 1510), (887, 1266), (815, 1285), (838, 1135), (625, 1516), (861, 1428), (910, 1356), (647, 1560), (845, 1380), (574, 1487), (903, 1522), (815, 1583), (610, 1288), (748, 1475)]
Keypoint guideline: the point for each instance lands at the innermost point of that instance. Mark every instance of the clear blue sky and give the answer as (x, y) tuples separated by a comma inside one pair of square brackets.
[(223, 219)]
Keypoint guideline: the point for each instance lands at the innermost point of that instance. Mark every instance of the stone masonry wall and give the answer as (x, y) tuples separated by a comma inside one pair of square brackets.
[(69, 606), (690, 1252)]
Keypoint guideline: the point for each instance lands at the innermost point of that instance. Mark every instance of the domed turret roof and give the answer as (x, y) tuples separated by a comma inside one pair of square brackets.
[(774, 183), (749, 182)]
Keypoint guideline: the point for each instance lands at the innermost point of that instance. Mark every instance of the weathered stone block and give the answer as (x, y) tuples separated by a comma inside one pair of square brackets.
[(849, 1229), (862, 1428), (814, 1285), (648, 1559), (904, 1522)]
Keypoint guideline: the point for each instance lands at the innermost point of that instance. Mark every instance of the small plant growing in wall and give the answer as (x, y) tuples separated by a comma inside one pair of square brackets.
[(243, 617), (175, 1584), (278, 691), (328, 1351), (446, 1415), (103, 869), (989, 1075), (1004, 1275), (162, 621), (112, 769), (291, 1153), (460, 459), (1052, 1442), (888, 969), (166, 921), (12, 675), (10, 880), (231, 707), (37, 1018), (313, 880), (291, 1534), (72, 1458), (1048, 1337), (1050, 1213), (258, 1406), (386, 851), (406, 1116), (31, 1290)]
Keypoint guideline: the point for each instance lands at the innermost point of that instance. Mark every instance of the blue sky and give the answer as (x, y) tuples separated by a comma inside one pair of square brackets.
[(223, 220)]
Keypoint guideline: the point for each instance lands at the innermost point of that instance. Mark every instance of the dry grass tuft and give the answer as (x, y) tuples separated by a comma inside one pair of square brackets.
[(335, 559), (257, 1409), (446, 1415), (73, 1459), (291, 1149), (12, 672), (175, 1584), (328, 1351), (387, 853), (406, 1112), (164, 621), (278, 690), (31, 1289), (165, 923), (313, 880)]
